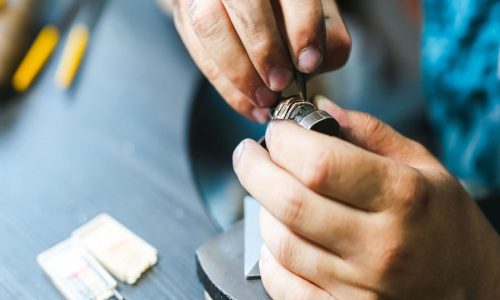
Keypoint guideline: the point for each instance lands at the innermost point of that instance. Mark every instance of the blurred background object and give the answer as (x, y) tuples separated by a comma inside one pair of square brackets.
[(30, 32), (383, 74), (54, 22), (17, 18), (77, 42)]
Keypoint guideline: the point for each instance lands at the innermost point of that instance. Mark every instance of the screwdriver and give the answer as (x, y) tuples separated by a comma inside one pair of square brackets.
[(301, 82)]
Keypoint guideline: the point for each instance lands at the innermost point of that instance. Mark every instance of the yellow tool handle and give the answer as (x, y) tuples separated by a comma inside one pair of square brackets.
[(36, 58), (73, 55), (16, 21)]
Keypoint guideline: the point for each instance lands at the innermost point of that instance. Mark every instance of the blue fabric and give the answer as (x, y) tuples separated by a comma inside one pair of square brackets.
[(461, 51)]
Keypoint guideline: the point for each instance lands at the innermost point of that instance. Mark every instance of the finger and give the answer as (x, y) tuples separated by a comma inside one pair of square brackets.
[(283, 284), (375, 136), (309, 261), (304, 27), (316, 265), (338, 40), (216, 33), (330, 166), (226, 89), (328, 223), (256, 26)]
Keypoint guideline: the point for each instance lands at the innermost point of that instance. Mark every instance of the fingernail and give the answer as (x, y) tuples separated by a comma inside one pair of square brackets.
[(237, 152), (309, 60), (265, 97), (264, 253), (280, 78), (269, 131), (321, 101), (260, 115), (330, 107)]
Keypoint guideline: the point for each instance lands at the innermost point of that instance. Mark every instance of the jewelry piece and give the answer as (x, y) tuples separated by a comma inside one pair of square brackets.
[(306, 115)]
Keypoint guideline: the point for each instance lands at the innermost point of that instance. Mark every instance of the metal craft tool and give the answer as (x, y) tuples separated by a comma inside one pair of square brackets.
[(301, 82)]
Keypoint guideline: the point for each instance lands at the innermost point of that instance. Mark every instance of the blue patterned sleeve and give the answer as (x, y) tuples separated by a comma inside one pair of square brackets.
[(461, 70)]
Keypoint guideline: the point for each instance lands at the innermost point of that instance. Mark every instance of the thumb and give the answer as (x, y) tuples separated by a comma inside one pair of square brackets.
[(370, 133)]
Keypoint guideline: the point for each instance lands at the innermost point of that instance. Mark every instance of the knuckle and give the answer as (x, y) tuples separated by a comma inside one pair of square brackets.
[(412, 192), (205, 20), (374, 128), (292, 207), (240, 79), (391, 257), (312, 28), (262, 49), (391, 260), (285, 251), (239, 102), (305, 36), (210, 69), (372, 124), (421, 150), (262, 45), (416, 189), (317, 172)]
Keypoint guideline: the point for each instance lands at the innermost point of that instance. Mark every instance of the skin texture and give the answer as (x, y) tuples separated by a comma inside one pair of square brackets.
[(373, 216), (249, 49)]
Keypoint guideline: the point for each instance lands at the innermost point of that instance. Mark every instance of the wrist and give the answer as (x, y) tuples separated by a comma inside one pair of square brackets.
[(489, 278), (488, 268)]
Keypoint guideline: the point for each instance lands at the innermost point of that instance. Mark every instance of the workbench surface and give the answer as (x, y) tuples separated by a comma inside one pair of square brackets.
[(115, 143)]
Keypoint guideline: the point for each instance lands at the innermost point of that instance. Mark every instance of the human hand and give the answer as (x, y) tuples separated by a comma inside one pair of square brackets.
[(374, 216), (249, 49)]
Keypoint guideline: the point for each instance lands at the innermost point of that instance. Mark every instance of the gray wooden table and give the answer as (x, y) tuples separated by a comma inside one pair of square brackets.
[(116, 143)]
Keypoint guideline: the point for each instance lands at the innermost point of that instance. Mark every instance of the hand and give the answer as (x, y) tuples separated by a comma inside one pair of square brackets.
[(369, 217), (248, 49)]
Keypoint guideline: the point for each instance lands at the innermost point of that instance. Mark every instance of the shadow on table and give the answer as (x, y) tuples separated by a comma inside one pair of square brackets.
[(215, 131)]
